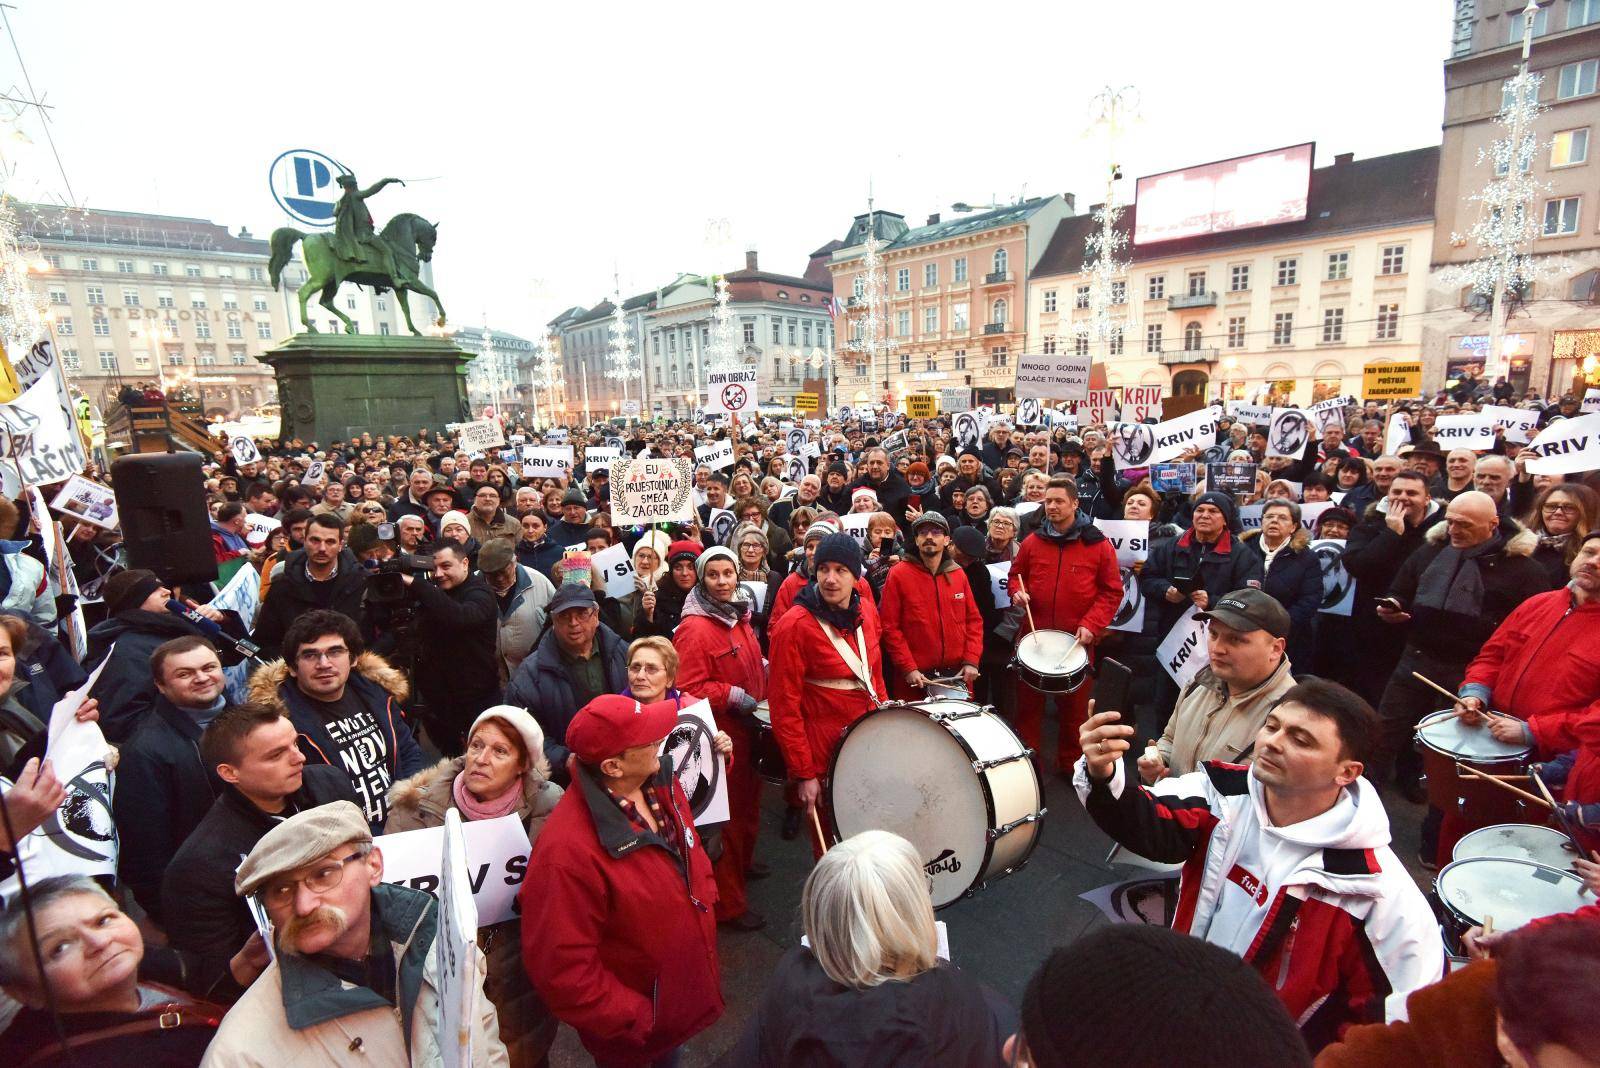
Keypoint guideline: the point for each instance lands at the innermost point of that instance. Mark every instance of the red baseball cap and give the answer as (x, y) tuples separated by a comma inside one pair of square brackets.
[(611, 723)]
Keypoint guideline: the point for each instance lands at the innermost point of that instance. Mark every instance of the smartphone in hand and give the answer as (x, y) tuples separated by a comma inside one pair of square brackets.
[(1111, 685)]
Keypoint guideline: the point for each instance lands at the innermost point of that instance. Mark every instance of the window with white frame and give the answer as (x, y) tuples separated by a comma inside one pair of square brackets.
[(89, 263), (1283, 328), (958, 318), (202, 328), (1514, 25), (257, 274), (1582, 13), (1386, 325), (125, 267), (1236, 332), (998, 312), (58, 296), (1289, 271), (1392, 260), (902, 324), (235, 329), (1239, 278), (793, 331), (191, 270), (164, 300), (1156, 287), (960, 359), (160, 269), (1577, 79), (958, 269), (1080, 346), (931, 362), (53, 259), (239, 357), (108, 360), (264, 331), (905, 363), (861, 369), (1114, 345), (902, 279), (1049, 346), (805, 333), (1119, 292), (230, 302), (930, 275), (1570, 147), (1197, 283), (1080, 297), (1338, 266), (349, 303), (1000, 356), (383, 328), (102, 326), (930, 321), (1049, 300), (207, 358), (1002, 261), (94, 294), (71, 360), (1561, 216), (1332, 325), (224, 272), (64, 326), (748, 333), (383, 304), (1152, 337), (858, 288), (130, 298), (141, 361), (1193, 334), (197, 299)]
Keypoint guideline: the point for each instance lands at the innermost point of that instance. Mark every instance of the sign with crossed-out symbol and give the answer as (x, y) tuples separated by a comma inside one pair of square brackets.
[(733, 397)]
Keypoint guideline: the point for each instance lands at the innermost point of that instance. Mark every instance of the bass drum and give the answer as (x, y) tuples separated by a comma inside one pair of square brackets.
[(948, 776), (768, 757)]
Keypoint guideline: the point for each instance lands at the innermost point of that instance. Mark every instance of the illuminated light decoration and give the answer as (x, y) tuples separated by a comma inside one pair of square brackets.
[(874, 323), (23, 319), (622, 363), (723, 352), (1106, 246)]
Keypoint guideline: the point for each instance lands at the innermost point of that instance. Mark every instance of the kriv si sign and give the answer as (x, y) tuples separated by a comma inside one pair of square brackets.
[(304, 183)]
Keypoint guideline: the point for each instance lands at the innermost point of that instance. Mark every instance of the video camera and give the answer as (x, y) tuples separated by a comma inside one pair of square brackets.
[(385, 586)]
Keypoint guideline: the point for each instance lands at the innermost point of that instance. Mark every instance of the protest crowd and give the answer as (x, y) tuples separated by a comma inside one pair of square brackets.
[(469, 736)]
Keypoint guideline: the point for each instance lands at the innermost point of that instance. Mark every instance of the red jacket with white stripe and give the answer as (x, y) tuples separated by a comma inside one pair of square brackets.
[(1345, 928), (1072, 580), (930, 619)]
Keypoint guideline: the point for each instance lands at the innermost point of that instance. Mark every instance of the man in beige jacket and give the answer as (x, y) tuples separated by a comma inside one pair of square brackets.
[(1218, 714)]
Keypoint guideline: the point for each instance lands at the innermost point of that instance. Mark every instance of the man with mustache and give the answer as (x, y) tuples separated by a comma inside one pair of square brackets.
[(355, 980)]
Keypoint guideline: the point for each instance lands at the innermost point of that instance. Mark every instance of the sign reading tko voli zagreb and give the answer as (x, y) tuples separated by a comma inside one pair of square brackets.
[(653, 489)]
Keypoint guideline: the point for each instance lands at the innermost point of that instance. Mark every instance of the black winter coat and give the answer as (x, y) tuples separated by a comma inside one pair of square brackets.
[(1294, 581), (1207, 567), (163, 792), (292, 594), (457, 671), (205, 918), (125, 690), (806, 1020)]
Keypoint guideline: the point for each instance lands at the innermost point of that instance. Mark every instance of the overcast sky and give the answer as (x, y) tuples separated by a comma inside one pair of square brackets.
[(566, 140)]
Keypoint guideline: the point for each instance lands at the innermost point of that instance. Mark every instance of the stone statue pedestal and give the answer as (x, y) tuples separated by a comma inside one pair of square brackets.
[(333, 387)]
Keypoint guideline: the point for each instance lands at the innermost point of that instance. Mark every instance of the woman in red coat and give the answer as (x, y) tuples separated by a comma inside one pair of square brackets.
[(827, 668), (719, 658)]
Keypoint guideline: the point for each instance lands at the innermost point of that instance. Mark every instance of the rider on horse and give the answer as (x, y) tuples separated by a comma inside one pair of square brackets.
[(354, 238)]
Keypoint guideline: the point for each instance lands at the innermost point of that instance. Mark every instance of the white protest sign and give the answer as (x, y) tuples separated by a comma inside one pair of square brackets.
[(1129, 615), (1312, 511), (855, 524), (1288, 433), (1591, 400), (1566, 447), (257, 524), (811, 450), (955, 398), (999, 583), (1129, 537), (480, 435), (87, 500), (717, 455), (1055, 377), (547, 461), (758, 595), (244, 450), (1140, 403), (1023, 508), (616, 569), (1254, 414), (653, 489), (1520, 423), (39, 437), (497, 858), (1397, 434), (720, 522), (733, 392), (316, 473), (600, 457), (1331, 411), (455, 948), (630, 409), (1474, 430), (1338, 588), (39, 361), (1096, 411), (795, 439), (699, 768), (79, 837), (1186, 648), (1142, 444), (1250, 516)]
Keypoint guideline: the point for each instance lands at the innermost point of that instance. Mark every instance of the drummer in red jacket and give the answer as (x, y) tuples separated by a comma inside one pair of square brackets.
[(719, 658), (827, 669), (618, 934), (930, 620), (1066, 572), (796, 580)]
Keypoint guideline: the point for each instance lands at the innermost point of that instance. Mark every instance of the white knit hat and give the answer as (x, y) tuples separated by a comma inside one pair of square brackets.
[(527, 729), (454, 517)]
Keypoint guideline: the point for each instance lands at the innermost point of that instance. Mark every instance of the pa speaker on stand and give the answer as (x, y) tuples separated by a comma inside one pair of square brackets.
[(166, 528)]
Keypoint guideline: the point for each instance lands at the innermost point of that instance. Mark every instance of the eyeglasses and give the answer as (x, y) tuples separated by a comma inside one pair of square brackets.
[(320, 881), (1559, 506), (332, 655)]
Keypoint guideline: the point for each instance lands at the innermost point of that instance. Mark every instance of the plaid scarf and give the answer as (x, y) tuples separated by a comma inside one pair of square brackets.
[(666, 825)]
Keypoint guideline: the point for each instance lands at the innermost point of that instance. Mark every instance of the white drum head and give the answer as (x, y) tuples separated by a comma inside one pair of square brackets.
[(1512, 891), (899, 771), (1444, 732), (1051, 652), (763, 713), (1517, 841)]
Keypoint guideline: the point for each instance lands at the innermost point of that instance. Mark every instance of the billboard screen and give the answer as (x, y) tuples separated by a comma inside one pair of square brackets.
[(1234, 194)]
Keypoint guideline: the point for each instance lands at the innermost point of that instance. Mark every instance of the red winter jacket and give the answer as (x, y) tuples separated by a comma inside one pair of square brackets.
[(808, 720), (930, 620), (1071, 581), (1541, 665), (618, 936), (713, 658), (790, 588)]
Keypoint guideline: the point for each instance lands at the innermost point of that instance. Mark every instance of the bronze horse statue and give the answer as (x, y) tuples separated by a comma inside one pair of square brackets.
[(409, 239)]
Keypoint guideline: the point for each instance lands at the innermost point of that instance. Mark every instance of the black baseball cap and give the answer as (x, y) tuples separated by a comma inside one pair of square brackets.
[(1250, 609)]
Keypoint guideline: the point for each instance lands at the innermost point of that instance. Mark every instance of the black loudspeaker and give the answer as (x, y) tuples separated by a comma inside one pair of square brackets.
[(161, 502)]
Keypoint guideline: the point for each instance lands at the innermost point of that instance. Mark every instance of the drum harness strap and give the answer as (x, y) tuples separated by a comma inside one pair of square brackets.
[(851, 661)]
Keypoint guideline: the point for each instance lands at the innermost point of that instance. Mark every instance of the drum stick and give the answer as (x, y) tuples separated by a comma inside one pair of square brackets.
[(1420, 677), (816, 822), (1462, 769), (1488, 926), (1028, 606)]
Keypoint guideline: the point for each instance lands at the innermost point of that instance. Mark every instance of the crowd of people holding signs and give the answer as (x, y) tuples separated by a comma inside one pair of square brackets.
[(468, 738)]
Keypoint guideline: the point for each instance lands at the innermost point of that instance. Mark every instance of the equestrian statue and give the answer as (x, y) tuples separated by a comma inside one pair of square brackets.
[(355, 253)]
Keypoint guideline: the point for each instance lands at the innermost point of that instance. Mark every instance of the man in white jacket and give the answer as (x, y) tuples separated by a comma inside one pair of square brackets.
[(1285, 862)]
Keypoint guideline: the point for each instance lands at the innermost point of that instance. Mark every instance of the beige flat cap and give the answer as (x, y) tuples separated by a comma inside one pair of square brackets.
[(298, 840)]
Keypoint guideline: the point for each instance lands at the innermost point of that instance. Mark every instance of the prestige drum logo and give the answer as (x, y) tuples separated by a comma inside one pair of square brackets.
[(944, 862), (305, 184)]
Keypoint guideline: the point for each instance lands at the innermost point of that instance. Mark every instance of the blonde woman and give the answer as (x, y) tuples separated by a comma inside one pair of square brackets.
[(869, 988)]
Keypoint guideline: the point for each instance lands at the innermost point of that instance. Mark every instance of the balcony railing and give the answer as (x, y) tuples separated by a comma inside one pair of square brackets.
[(1192, 300), (995, 278), (994, 328), (1178, 356)]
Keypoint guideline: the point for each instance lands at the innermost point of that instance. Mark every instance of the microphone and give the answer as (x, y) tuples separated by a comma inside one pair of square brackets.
[(210, 628)]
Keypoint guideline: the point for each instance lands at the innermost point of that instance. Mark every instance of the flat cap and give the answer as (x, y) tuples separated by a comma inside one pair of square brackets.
[(299, 840)]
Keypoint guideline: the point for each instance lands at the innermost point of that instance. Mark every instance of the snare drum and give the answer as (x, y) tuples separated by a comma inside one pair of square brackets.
[(948, 776), (953, 688), (768, 758), (1444, 740), (1513, 892), (1518, 841), (1051, 661)]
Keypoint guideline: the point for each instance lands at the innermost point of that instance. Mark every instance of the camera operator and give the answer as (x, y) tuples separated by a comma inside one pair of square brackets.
[(456, 625), (390, 606), (324, 574)]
